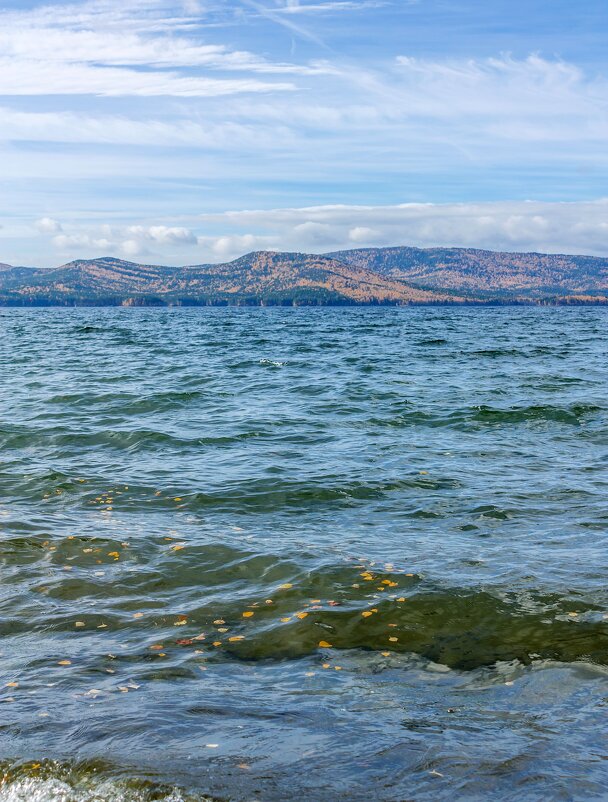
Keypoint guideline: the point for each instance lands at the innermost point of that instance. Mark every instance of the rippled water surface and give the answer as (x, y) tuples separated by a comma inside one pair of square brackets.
[(308, 554)]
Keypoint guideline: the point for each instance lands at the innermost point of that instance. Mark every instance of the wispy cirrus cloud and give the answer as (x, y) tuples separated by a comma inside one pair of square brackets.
[(326, 7), (106, 48)]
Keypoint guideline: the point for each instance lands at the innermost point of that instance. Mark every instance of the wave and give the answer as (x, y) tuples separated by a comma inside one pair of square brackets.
[(485, 415), (52, 781)]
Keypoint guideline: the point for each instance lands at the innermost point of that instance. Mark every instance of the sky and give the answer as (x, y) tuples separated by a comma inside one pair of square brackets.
[(193, 131)]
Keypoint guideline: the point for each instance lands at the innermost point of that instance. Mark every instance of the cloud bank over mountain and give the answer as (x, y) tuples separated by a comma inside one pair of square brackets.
[(573, 228)]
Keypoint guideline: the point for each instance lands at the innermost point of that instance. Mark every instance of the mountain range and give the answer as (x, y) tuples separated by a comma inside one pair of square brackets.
[(401, 275)]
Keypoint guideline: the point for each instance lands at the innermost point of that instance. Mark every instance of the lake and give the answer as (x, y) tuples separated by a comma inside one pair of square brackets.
[(304, 554)]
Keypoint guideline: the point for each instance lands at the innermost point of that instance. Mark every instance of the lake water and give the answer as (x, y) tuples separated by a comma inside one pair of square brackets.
[(304, 554)]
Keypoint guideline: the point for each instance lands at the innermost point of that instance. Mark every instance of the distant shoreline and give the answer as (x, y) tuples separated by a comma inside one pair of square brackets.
[(189, 304)]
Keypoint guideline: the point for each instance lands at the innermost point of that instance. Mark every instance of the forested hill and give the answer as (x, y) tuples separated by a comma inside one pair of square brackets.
[(400, 275)]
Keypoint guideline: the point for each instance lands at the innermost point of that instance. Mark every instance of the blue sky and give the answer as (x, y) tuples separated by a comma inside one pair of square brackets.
[(190, 131)]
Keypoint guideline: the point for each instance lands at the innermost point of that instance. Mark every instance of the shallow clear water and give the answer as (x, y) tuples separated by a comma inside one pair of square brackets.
[(423, 492)]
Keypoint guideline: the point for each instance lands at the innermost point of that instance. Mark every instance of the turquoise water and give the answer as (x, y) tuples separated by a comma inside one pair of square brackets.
[(408, 505)]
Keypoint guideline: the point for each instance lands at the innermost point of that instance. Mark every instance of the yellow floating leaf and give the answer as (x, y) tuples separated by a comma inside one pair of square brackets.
[(247, 614), (301, 615), (138, 615), (324, 644), (337, 668), (286, 586), (217, 642), (219, 621), (223, 629), (115, 554), (326, 665), (157, 647), (285, 620), (12, 685), (393, 640), (178, 547), (64, 663), (79, 624), (177, 498), (366, 613), (402, 599), (386, 654), (236, 637)]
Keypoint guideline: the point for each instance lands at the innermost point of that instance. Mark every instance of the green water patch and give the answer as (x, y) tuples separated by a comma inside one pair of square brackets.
[(165, 595)]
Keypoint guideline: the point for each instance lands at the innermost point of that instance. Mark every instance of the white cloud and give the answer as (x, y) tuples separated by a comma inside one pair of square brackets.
[(513, 226), (129, 241), (46, 225), (164, 235), (230, 247)]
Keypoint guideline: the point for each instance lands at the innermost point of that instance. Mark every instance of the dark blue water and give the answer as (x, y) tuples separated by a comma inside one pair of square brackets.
[(309, 554)]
